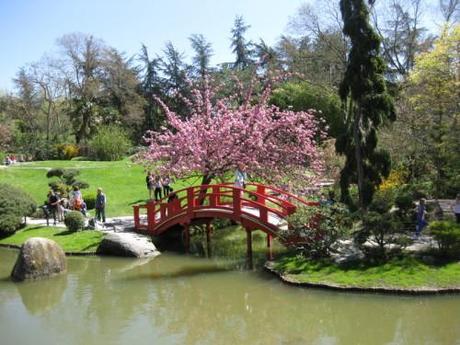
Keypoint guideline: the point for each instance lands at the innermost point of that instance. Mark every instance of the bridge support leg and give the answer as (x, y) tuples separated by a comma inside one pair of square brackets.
[(208, 239), (269, 247), (186, 236), (249, 262)]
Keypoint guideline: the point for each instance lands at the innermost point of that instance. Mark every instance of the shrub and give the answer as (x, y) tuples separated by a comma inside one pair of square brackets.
[(14, 205), (447, 235), (67, 151), (110, 144), (67, 179), (315, 229), (90, 200), (74, 221)]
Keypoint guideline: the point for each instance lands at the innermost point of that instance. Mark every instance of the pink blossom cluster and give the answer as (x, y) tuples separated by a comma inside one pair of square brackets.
[(220, 136)]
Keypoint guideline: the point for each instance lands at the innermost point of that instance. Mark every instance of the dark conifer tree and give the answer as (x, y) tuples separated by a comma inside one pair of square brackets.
[(241, 48), (367, 105)]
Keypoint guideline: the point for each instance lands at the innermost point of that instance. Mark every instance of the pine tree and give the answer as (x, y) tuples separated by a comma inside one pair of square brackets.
[(241, 48), (367, 105)]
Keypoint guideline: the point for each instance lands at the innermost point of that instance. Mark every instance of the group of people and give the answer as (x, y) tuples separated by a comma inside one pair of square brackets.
[(57, 206), (10, 159), (158, 186)]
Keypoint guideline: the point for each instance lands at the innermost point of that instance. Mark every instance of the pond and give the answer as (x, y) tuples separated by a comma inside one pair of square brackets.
[(175, 299)]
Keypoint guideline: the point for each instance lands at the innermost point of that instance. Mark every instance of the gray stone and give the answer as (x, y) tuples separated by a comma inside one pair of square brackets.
[(127, 244), (39, 258)]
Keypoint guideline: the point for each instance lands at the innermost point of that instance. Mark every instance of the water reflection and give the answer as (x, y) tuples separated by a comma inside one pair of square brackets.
[(40, 296), (182, 300)]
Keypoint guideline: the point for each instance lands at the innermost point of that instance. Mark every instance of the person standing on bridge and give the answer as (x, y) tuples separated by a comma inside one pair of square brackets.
[(158, 188), (240, 177)]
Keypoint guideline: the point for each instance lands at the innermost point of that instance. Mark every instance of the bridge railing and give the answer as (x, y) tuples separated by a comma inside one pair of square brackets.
[(264, 199)]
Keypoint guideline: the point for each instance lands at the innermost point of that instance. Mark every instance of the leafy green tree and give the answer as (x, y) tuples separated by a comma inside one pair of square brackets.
[(111, 143), (303, 96), (434, 85), (367, 105)]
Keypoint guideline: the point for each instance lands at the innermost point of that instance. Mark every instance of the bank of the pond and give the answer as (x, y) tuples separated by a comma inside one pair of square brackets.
[(399, 276), (73, 243)]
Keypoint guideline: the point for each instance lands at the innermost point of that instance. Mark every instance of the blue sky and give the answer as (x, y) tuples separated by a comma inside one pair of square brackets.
[(29, 28)]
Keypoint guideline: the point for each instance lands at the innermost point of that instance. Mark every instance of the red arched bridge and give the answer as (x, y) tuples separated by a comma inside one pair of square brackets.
[(257, 207)]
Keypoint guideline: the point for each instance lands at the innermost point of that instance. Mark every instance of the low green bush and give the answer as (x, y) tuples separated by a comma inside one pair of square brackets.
[(111, 143), (14, 205), (314, 230), (74, 221), (90, 200), (447, 235)]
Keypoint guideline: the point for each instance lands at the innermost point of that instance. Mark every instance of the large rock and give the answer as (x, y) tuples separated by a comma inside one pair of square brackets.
[(127, 244), (39, 258)]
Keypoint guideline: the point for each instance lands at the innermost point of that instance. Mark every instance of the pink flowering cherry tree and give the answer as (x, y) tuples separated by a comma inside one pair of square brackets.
[(219, 135)]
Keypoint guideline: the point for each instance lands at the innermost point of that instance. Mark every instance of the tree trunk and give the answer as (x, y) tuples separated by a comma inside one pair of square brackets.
[(207, 178)]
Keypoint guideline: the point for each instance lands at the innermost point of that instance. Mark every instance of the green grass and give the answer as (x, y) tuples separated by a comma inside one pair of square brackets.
[(406, 273), (82, 241), (123, 182)]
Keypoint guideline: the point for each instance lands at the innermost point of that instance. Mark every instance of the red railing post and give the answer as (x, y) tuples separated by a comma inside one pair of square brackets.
[(190, 200), (213, 201), (150, 216), (261, 190), (136, 217), (237, 202)]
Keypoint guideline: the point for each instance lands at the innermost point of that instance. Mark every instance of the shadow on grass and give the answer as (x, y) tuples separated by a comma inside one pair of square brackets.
[(65, 233), (139, 201)]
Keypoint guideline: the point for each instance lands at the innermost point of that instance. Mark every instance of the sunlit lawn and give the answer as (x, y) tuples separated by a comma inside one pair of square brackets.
[(399, 273), (82, 241), (123, 182)]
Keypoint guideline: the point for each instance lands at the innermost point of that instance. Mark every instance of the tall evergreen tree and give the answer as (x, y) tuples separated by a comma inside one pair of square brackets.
[(151, 86), (203, 53), (241, 48), (367, 105)]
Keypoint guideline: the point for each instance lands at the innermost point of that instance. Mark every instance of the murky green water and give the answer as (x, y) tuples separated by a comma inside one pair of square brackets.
[(183, 300)]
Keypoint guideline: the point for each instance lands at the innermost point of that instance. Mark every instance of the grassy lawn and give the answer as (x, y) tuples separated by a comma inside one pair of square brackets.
[(82, 241), (123, 182), (404, 273)]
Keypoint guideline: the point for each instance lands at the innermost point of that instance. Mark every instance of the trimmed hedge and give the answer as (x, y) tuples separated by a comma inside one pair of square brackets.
[(14, 205), (74, 221)]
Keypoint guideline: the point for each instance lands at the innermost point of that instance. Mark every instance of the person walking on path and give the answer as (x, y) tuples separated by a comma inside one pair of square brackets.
[(421, 215), (100, 205), (456, 208)]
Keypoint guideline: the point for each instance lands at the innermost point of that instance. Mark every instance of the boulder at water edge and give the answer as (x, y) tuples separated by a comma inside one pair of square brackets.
[(127, 244), (39, 258)]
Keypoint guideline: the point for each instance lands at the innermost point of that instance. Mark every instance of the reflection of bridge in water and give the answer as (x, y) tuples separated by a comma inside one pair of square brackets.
[(258, 207)]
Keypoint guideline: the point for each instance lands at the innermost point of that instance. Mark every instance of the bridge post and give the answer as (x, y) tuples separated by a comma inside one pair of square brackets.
[(150, 216), (261, 191), (208, 239), (237, 202), (136, 217), (249, 261), (269, 247), (186, 236)]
